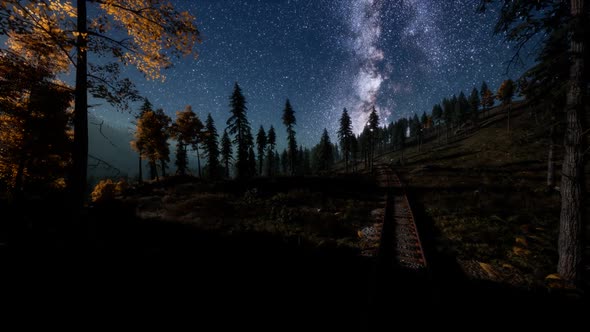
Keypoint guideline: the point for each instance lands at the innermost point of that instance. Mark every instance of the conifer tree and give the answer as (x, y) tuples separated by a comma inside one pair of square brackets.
[(289, 122), (345, 135), (271, 142), (211, 147), (261, 142), (239, 127), (226, 152)]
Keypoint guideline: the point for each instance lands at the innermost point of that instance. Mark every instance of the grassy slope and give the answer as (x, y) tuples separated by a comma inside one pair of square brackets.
[(486, 200)]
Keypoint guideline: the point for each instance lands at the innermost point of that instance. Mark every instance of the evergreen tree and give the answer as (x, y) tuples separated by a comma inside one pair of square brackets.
[(289, 121), (162, 147), (345, 135), (261, 142), (276, 164), (239, 126), (271, 142), (373, 131), (211, 148), (285, 164), (226, 152), (251, 161), (325, 153)]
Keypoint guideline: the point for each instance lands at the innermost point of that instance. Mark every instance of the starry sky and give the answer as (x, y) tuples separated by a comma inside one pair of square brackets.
[(399, 56)]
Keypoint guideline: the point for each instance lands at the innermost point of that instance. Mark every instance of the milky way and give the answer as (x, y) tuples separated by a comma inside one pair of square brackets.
[(400, 57)]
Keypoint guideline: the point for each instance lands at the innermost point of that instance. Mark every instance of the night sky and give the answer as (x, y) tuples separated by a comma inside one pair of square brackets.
[(400, 56)]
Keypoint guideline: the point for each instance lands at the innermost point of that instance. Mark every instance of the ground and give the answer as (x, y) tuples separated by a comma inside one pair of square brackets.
[(485, 199)]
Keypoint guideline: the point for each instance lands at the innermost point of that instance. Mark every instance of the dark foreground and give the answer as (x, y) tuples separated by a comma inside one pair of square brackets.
[(108, 259)]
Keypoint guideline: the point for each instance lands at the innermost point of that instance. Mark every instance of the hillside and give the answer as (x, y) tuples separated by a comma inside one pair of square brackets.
[(484, 198)]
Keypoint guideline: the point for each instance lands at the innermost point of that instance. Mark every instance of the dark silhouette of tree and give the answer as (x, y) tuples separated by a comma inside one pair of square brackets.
[(181, 161), (261, 142), (373, 126), (505, 95), (271, 142), (186, 130), (238, 125), (285, 162), (211, 148), (345, 135), (152, 136), (226, 152), (162, 147), (137, 145), (251, 161), (289, 122), (325, 157)]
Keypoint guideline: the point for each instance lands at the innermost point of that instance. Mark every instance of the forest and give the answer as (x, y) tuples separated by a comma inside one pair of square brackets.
[(491, 179)]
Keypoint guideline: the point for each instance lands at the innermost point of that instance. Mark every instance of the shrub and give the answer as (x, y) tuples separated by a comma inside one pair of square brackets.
[(106, 190)]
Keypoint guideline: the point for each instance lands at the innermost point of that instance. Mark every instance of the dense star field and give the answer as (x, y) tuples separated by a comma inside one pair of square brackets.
[(402, 56)]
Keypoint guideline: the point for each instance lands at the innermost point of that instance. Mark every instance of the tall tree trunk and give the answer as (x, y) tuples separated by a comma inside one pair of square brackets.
[(198, 161), (19, 177), (570, 223), (140, 169), (80, 146), (153, 170), (163, 166), (551, 157), (227, 168)]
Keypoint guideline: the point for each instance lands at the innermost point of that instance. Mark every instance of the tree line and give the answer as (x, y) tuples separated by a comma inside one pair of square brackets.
[(238, 152)]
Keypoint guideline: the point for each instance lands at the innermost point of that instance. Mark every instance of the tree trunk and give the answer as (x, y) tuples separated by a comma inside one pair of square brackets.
[(80, 145), (19, 177), (140, 170), (198, 161), (551, 158), (570, 223), (163, 166), (153, 170)]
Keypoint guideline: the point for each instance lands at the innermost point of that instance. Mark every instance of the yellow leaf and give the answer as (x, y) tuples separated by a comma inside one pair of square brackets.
[(553, 276)]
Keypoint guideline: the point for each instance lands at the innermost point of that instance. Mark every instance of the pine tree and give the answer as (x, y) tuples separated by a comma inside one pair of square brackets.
[(239, 126), (373, 128), (285, 164), (271, 142), (261, 142), (325, 154), (345, 135), (226, 152), (211, 148), (289, 121)]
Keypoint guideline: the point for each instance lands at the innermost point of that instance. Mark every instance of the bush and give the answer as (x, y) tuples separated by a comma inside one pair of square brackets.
[(106, 190)]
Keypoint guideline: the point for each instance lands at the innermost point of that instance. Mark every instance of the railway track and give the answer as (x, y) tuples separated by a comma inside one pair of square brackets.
[(399, 234)]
